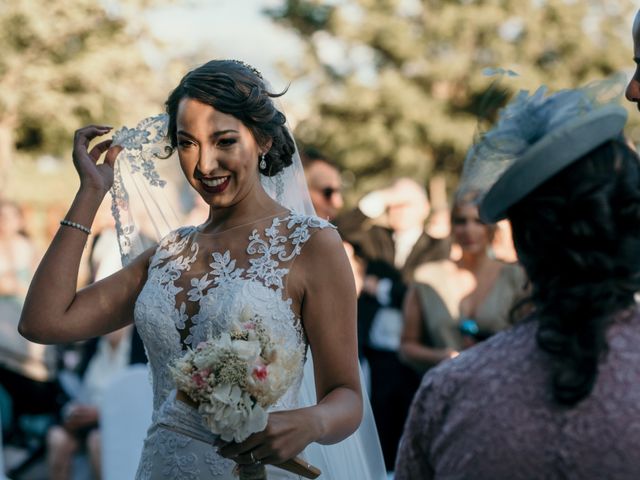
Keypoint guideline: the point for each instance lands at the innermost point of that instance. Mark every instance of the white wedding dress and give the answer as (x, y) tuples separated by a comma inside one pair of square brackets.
[(197, 283)]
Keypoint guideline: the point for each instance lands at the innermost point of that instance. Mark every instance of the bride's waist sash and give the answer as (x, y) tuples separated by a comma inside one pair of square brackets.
[(180, 417)]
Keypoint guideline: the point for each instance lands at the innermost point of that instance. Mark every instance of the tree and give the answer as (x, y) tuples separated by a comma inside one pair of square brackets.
[(398, 84), (65, 64)]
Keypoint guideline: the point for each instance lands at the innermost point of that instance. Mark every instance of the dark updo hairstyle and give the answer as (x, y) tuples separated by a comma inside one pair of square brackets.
[(234, 88), (578, 238)]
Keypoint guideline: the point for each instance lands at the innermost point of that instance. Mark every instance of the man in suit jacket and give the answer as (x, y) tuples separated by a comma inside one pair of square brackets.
[(388, 230)]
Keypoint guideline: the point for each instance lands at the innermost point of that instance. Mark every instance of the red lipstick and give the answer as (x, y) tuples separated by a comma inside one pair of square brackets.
[(219, 188)]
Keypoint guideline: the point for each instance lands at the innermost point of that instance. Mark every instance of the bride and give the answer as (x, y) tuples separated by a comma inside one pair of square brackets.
[(233, 145)]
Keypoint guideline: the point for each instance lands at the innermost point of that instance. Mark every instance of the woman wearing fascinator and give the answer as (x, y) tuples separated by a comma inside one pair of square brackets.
[(262, 276), (557, 396)]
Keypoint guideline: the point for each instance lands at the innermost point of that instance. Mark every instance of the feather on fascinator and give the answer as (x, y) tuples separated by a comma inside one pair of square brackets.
[(535, 137)]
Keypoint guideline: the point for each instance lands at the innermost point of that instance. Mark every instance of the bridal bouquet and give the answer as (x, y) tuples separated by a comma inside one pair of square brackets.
[(236, 376)]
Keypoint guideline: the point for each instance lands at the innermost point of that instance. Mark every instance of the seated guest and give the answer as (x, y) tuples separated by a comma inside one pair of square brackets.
[(102, 359), (27, 370)]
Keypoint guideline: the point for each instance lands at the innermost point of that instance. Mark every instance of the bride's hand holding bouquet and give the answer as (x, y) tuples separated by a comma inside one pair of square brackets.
[(286, 435)]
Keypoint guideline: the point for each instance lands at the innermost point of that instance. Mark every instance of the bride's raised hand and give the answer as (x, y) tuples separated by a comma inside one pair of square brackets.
[(94, 176)]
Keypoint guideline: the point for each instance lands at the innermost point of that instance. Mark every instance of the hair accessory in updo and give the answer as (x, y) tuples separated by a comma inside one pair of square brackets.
[(537, 136), (257, 72)]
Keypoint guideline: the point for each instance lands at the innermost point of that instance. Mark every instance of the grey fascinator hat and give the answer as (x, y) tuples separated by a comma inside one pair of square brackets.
[(535, 137)]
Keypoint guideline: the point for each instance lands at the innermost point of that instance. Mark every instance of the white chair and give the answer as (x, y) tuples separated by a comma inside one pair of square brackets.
[(125, 416)]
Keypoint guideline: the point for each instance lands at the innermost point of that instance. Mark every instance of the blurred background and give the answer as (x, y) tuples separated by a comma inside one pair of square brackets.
[(384, 88)]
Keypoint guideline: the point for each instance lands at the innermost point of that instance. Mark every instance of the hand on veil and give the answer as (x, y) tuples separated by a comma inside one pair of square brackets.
[(286, 435), (94, 176)]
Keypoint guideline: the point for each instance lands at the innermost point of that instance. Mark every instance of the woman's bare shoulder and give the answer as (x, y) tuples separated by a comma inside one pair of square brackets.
[(514, 273), (322, 246)]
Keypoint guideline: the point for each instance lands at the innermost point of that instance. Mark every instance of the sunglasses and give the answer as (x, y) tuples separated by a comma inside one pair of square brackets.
[(328, 192)]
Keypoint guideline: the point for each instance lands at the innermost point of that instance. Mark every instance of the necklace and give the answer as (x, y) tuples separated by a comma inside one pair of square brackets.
[(200, 228)]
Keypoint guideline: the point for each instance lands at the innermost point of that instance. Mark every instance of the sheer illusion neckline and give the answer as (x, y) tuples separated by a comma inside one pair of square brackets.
[(255, 221)]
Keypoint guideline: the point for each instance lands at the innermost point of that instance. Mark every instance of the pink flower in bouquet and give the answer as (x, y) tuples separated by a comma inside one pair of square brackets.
[(237, 375), (260, 372), (200, 377)]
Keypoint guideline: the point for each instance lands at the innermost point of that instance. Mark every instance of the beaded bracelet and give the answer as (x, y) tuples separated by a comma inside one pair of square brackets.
[(82, 228)]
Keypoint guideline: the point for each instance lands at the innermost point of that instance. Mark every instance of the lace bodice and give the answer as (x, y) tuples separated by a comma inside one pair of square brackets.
[(198, 283)]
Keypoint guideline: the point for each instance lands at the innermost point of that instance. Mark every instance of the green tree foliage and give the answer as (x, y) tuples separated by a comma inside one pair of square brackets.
[(67, 63), (399, 86)]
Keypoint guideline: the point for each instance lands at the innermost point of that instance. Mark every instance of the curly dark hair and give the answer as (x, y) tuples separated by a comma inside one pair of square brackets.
[(235, 89), (578, 238)]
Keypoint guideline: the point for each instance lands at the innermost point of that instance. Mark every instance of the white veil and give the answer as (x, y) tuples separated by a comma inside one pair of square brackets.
[(150, 194), (148, 199)]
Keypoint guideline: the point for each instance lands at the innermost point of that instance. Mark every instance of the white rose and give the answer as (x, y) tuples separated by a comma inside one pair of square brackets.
[(247, 351), (234, 417), (206, 358), (227, 394), (224, 340), (255, 422)]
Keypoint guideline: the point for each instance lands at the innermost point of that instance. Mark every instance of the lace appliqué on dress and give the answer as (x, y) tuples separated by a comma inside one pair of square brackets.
[(177, 460), (263, 281), (219, 295)]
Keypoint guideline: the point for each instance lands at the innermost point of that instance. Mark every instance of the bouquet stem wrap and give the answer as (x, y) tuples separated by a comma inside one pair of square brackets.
[(252, 472)]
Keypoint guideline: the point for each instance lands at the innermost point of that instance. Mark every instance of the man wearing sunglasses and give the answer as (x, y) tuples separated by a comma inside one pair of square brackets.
[(389, 229), (325, 186)]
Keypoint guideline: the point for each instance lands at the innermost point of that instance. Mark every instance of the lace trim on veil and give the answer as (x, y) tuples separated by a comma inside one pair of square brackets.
[(145, 149)]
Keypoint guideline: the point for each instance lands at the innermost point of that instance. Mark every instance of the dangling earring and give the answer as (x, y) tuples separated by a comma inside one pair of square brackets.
[(263, 163)]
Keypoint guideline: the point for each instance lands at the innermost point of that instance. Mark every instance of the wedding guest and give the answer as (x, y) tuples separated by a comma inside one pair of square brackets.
[(388, 227), (102, 359), (27, 370), (502, 245), (475, 292), (557, 396), (17, 253), (324, 182), (633, 88), (325, 189)]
